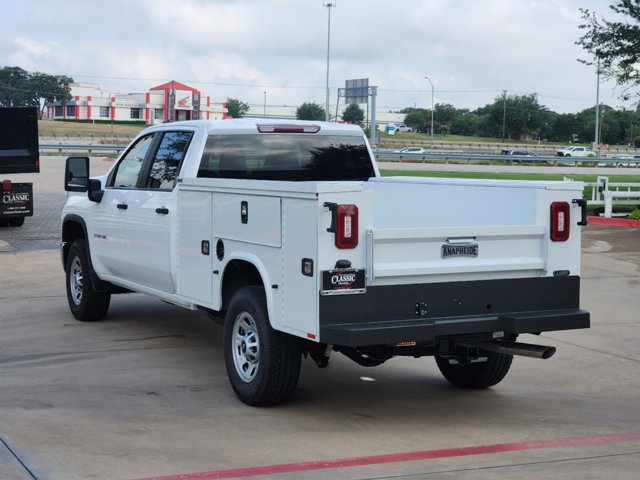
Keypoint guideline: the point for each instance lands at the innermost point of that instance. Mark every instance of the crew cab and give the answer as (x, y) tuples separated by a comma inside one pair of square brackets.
[(286, 234)]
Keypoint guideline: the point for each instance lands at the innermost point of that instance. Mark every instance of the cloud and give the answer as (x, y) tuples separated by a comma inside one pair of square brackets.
[(471, 50)]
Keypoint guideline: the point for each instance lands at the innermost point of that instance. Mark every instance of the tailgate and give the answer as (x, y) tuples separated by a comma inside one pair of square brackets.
[(454, 251)]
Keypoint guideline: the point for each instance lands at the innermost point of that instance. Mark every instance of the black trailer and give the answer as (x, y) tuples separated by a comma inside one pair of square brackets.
[(19, 153)]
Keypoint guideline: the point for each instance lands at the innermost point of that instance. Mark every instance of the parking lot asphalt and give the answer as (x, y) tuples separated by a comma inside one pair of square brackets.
[(144, 393)]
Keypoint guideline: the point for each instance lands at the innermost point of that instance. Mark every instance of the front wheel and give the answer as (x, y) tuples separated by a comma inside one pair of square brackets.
[(84, 302), (263, 364), (476, 375)]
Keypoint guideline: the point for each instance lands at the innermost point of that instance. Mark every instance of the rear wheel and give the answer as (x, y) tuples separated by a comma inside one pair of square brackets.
[(263, 364), (476, 375), (16, 221), (84, 302)]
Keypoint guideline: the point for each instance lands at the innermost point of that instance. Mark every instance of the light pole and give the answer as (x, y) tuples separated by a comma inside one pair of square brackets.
[(432, 94), (264, 112), (596, 140), (328, 5)]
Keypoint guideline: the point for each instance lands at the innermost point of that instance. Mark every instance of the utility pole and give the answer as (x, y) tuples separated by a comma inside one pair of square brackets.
[(432, 90), (328, 5), (504, 113)]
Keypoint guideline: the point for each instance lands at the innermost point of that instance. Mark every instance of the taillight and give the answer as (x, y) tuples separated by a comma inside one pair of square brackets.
[(560, 221), (6, 185), (344, 224)]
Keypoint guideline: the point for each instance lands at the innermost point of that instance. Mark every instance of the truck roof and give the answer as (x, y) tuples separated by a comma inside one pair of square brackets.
[(250, 125)]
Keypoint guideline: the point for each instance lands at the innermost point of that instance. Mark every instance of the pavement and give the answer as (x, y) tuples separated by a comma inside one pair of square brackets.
[(144, 393)]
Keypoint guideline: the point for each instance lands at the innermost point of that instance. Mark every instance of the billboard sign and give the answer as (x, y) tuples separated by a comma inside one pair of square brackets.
[(356, 91)]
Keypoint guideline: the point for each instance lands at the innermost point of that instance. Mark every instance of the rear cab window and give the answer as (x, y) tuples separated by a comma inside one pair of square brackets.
[(295, 157)]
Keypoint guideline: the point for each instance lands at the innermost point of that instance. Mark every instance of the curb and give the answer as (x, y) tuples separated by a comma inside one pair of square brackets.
[(614, 222)]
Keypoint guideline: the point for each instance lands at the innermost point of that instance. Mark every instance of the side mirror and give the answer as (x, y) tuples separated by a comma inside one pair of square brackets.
[(95, 191), (76, 174), (76, 179)]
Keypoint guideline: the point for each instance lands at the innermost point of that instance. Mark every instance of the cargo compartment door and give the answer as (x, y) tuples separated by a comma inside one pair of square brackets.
[(194, 262)]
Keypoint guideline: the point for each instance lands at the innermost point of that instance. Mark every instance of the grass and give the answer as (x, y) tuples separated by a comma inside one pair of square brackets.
[(54, 127), (425, 137)]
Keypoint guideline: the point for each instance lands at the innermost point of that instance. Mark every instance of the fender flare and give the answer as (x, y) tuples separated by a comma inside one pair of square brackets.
[(267, 283), (97, 284)]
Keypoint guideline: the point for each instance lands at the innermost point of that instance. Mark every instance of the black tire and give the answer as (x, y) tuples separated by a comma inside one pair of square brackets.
[(263, 364), (84, 302), (16, 221), (476, 375)]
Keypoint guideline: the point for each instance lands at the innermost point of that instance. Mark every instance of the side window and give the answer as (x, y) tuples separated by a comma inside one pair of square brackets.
[(128, 169), (227, 156), (164, 169)]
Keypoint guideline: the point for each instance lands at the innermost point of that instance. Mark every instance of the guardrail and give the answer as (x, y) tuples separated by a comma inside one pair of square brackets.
[(80, 148), (468, 158)]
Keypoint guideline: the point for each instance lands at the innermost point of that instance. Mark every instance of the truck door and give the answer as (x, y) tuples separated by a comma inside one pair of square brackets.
[(151, 213), (108, 228)]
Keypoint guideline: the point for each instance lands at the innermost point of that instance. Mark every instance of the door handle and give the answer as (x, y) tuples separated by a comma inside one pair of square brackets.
[(162, 210), (122, 206)]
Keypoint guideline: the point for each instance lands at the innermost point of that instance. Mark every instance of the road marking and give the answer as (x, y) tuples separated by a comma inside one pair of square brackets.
[(402, 457)]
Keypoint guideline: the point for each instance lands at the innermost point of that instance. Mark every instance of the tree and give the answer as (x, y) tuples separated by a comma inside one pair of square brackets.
[(236, 108), (353, 114), (466, 123), (310, 111), (51, 88), (515, 116), (615, 43), (19, 88), (14, 88), (417, 118)]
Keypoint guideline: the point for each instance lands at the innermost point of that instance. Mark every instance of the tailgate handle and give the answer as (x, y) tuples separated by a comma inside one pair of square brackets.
[(333, 207), (583, 206), (122, 206)]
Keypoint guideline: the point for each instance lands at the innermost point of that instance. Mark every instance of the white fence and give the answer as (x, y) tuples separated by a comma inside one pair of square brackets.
[(608, 194)]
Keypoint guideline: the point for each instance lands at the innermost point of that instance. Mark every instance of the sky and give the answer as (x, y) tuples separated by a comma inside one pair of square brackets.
[(253, 50)]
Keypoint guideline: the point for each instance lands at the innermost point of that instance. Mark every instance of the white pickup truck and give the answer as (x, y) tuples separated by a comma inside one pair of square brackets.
[(286, 233)]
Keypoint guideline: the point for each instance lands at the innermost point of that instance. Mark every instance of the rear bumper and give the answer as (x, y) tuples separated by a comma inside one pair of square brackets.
[(423, 313)]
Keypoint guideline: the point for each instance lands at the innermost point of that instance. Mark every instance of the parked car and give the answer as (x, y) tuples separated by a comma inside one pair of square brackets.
[(411, 150), (403, 128), (575, 152)]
